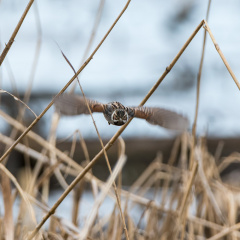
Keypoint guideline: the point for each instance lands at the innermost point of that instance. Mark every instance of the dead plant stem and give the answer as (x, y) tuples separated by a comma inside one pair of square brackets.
[(114, 138), (193, 142), (104, 151), (221, 54), (11, 40), (93, 33), (225, 231), (65, 87)]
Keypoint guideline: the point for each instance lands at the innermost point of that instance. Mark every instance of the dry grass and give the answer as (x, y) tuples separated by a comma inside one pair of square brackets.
[(157, 195), (182, 198)]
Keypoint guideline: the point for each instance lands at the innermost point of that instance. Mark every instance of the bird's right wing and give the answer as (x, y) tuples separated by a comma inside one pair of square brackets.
[(162, 117), (72, 104)]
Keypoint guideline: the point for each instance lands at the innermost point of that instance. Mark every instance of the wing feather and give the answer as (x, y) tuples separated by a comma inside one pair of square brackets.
[(162, 117), (72, 104)]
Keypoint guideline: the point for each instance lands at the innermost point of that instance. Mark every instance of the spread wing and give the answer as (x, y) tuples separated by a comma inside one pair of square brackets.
[(162, 117), (71, 104)]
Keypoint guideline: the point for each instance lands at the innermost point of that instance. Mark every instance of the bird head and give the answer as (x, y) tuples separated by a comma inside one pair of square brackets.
[(119, 117)]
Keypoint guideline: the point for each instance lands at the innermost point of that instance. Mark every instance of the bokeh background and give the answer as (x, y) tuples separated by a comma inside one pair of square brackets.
[(130, 61), (132, 58)]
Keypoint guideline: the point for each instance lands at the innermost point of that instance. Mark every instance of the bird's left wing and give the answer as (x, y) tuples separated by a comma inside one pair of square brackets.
[(72, 104)]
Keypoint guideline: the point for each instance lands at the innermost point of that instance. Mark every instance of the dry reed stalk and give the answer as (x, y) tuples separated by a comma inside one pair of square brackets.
[(210, 206), (206, 186), (35, 58), (184, 206), (24, 149), (13, 134), (92, 35), (225, 232), (104, 151), (221, 54), (117, 232), (1, 229), (65, 87), (143, 177), (174, 151), (199, 76), (11, 40), (171, 161), (53, 227), (52, 153), (118, 133), (45, 160), (153, 179), (39, 117), (218, 151), (130, 226), (78, 190), (191, 230), (45, 144), (5, 182), (47, 173), (192, 164), (152, 229), (38, 167), (234, 157), (35, 137), (80, 187), (198, 84), (148, 177), (111, 220), (21, 192), (77, 194), (8, 222), (27, 93), (89, 222), (184, 203), (174, 171), (64, 223), (232, 215), (82, 142), (18, 100), (142, 103)]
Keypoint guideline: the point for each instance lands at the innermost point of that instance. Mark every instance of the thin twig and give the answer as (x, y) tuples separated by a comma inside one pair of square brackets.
[(114, 138), (192, 163), (19, 100), (199, 80), (93, 32), (207, 188), (91, 218), (225, 231), (221, 54), (21, 192), (65, 87), (104, 151), (11, 40)]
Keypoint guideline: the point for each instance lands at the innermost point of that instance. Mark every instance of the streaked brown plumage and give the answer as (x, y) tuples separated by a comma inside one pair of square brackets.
[(117, 114)]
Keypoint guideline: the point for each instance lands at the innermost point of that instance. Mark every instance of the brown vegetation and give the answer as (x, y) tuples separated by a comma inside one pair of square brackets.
[(190, 199)]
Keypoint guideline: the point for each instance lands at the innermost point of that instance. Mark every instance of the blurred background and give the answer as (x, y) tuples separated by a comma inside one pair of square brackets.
[(130, 61), (132, 58)]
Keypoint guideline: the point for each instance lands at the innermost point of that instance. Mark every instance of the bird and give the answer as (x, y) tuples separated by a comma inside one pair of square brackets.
[(117, 114)]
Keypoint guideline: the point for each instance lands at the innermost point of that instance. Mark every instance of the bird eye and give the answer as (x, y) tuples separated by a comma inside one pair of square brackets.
[(114, 117)]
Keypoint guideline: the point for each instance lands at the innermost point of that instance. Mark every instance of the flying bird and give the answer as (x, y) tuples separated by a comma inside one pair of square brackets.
[(117, 114)]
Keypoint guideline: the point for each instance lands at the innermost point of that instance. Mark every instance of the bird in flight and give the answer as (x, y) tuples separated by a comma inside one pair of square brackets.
[(117, 114)]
